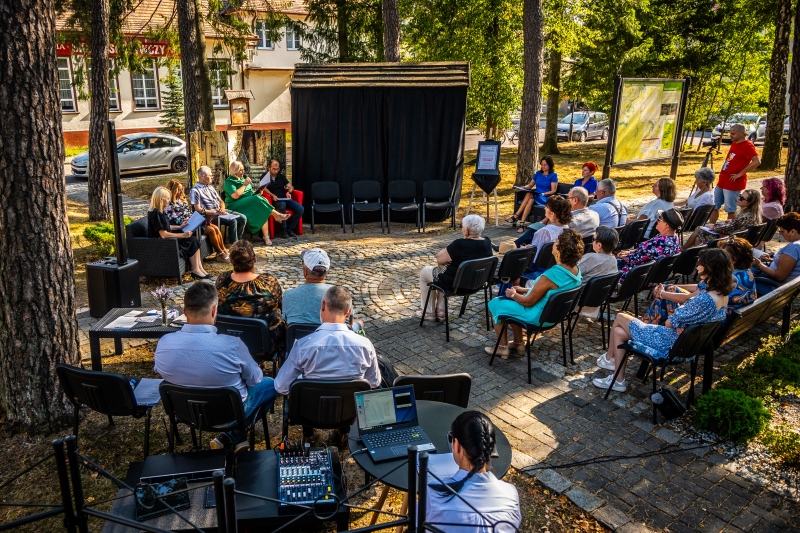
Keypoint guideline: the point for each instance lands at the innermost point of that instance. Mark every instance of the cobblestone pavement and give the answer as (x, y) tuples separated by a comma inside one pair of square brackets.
[(558, 419)]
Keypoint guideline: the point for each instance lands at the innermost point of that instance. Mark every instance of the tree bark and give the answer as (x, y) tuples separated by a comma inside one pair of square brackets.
[(550, 145), (98, 155), (391, 31), (533, 39), (37, 305), (793, 159), (341, 27), (771, 155), (192, 104), (209, 124)]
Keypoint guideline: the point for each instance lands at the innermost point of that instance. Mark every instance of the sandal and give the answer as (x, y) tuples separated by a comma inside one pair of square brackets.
[(428, 316), (440, 313), (513, 219), (522, 228)]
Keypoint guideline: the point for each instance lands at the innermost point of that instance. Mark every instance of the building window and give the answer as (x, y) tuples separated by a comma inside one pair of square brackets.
[(145, 89), (263, 34), (292, 39), (216, 69), (65, 92)]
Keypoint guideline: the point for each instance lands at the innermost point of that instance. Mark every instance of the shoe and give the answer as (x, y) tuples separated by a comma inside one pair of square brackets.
[(291, 234), (244, 445), (604, 363), (502, 351), (518, 346), (428, 316), (281, 234), (196, 276), (223, 258), (603, 383), (440, 314), (221, 442)]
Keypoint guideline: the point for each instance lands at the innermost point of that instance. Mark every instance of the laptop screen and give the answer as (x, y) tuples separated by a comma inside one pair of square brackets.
[(385, 407)]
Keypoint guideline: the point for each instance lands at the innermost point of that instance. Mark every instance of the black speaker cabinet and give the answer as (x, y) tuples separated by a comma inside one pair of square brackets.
[(112, 285)]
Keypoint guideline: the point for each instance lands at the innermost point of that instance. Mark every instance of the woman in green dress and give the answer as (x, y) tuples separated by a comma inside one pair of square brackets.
[(527, 304), (241, 197)]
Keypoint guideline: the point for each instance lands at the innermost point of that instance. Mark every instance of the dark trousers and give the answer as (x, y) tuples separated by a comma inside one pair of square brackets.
[(235, 226), (287, 204), (526, 238)]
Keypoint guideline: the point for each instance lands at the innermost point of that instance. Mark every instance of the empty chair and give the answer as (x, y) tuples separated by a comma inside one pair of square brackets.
[(471, 277), (366, 197), (563, 188), (686, 263), (108, 394), (325, 199), (695, 218), (544, 260), (632, 234), (515, 263), (438, 194), (448, 388), (754, 233), (321, 404), (403, 198), (595, 294), (587, 244), (660, 272), (769, 231)]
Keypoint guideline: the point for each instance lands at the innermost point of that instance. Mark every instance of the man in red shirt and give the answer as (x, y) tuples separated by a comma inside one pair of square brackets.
[(741, 159)]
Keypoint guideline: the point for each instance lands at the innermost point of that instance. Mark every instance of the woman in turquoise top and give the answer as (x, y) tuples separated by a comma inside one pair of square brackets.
[(241, 197), (527, 304)]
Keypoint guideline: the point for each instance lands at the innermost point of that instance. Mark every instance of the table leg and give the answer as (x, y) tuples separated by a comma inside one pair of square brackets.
[(343, 521), (379, 505), (403, 510), (94, 349), (118, 346)]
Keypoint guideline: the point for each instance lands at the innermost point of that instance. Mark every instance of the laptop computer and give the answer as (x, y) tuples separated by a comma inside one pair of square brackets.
[(387, 423)]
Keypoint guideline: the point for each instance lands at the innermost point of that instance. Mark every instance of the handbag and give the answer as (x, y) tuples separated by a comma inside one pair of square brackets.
[(667, 404)]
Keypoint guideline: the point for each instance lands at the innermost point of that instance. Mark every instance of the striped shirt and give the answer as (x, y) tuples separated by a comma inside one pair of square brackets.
[(205, 196)]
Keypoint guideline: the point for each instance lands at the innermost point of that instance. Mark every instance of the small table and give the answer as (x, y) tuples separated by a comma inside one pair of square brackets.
[(140, 331)]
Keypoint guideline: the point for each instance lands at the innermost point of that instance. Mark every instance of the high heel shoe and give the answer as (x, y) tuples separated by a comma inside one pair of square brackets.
[(197, 276)]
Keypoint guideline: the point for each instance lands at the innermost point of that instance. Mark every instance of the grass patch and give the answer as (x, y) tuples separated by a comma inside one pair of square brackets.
[(72, 151), (143, 188)]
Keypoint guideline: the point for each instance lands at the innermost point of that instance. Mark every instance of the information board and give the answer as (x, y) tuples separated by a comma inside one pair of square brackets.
[(647, 120)]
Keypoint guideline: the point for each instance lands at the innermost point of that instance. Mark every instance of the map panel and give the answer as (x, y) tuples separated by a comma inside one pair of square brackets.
[(647, 117)]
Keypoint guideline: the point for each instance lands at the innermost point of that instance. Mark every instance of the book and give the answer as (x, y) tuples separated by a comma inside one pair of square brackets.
[(146, 391)]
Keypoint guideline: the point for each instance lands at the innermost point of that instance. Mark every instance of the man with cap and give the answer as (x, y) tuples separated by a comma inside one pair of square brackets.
[(665, 244)]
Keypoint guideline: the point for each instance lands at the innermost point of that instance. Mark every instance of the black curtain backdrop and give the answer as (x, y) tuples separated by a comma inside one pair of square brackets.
[(377, 133)]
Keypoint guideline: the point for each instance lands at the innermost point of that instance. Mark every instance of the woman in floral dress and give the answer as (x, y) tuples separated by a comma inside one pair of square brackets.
[(748, 214), (178, 212), (665, 244)]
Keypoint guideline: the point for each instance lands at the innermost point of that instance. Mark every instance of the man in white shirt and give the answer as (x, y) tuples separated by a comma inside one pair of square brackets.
[(611, 211), (584, 221), (333, 351)]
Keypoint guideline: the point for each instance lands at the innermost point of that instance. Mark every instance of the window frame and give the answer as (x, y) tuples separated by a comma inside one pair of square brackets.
[(296, 41), (262, 35), (136, 108), (75, 110), (224, 104)]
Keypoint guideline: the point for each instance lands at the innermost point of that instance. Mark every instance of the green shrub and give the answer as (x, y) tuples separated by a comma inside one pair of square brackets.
[(102, 237), (777, 368), (791, 349), (784, 443), (731, 413), (745, 379)]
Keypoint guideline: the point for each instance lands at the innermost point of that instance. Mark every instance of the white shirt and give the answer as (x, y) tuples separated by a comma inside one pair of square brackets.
[(651, 211), (496, 500), (584, 221), (696, 199), (331, 352), (549, 233), (607, 210)]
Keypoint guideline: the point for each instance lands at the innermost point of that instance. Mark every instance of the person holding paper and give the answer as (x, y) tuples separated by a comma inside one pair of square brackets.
[(749, 214), (785, 265), (275, 185), (545, 182), (158, 226), (244, 199), (178, 212)]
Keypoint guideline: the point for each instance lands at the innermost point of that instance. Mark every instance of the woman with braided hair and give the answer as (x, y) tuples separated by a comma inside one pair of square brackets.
[(483, 501)]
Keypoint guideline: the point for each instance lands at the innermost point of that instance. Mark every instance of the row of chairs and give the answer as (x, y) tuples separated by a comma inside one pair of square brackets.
[(368, 196)]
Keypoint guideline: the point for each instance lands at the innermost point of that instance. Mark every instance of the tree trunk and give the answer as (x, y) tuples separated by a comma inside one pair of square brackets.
[(209, 124), (771, 154), (550, 145), (98, 155), (391, 31), (533, 26), (37, 303), (341, 28), (793, 159), (187, 28)]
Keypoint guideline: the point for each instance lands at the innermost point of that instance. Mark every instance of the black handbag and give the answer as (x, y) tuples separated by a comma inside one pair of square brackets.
[(667, 404)]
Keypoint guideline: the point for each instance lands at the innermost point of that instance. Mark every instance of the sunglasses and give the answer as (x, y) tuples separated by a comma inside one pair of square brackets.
[(450, 439), (742, 197)]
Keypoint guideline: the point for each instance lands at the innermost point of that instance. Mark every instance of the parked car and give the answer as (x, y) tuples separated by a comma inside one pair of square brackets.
[(142, 151), (755, 124), (585, 125), (786, 129)]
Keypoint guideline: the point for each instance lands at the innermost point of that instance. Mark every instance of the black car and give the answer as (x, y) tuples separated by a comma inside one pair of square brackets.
[(585, 125)]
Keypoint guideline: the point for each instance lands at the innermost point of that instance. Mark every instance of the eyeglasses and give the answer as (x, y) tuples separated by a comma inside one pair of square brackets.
[(742, 197), (450, 437)]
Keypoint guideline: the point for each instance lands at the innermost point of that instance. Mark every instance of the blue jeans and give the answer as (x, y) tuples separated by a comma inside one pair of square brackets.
[(263, 394), (235, 226), (724, 196), (287, 204)]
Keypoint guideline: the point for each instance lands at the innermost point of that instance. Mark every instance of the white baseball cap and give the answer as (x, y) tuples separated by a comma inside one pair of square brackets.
[(316, 259)]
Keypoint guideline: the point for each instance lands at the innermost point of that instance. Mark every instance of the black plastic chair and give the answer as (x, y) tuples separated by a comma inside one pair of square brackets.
[(327, 194), (564, 188), (448, 388), (660, 272), (545, 259), (438, 194), (691, 343), (630, 287), (595, 293), (108, 394), (321, 404), (253, 332), (403, 198), (632, 234), (215, 409), (695, 219), (715, 242), (472, 276), (555, 312), (769, 232), (587, 245), (366, 197), (514, 264), (295, 332), (754, 233), (686, 263)]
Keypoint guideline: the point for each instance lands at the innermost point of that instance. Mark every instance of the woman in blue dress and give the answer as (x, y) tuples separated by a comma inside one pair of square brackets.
[(715, 269), (544, 182), (527, 304), (587, 179)]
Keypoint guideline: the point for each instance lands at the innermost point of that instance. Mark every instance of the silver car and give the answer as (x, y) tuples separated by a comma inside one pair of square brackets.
[(756, 126), (138, 152)]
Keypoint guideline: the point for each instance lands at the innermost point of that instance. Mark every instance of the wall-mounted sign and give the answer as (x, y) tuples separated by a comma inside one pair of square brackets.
[(239, 102), (151, 49)]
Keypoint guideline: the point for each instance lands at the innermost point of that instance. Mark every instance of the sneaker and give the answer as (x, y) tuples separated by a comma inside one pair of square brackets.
[(244, 445), (291, 234), (604, 363), (221, 442), (603, 383)]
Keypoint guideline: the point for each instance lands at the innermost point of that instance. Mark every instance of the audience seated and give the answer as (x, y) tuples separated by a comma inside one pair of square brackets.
[(545, 183), (703, 193), (784, 266), (665, 244), (206, 201), (583, 221), (612, 212), (275, 185), (244, 292), (748, 214), (527, 304), (664, 189), (331, 352), (196, 356), (774, 196), (601, 263), (587, 179), (158, 226), (558, 215), (471, 246), (472, 440), (255, 207), (667, 298), (715, 269), (179, 212)]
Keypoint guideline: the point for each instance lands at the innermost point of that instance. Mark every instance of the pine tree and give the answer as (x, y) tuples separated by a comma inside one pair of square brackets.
[(172, 119)]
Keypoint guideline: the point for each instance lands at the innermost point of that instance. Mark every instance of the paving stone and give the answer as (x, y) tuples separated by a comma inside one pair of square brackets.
[(584, 499), (668, 436), (634, 527), (712, 524), (554, 481), (611, 517)]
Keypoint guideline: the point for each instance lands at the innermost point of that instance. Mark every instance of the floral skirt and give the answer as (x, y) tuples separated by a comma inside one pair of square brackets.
[(660, 310)]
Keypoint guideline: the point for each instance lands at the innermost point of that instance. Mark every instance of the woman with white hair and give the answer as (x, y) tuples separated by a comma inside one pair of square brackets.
[(703, 193), (471, 246), (158, 226)]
